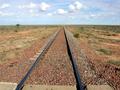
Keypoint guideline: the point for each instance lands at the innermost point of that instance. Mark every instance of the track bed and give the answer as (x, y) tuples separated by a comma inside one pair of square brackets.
[(55, 68)]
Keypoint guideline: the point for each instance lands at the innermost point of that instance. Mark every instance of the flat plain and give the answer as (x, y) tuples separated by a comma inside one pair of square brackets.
[(96, 47), (15, 40)]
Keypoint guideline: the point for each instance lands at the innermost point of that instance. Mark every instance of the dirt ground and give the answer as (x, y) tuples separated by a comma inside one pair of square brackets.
[(17, 49), (13, 42), (101, 48), (104, 43)]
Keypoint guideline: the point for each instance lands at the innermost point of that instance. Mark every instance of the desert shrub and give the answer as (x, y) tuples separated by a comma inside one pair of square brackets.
[(114, 62), (110, 34), (105, 51), (17, 27), (15, 30), (76, 35), (114, 34), (2, 56), (81, 30)]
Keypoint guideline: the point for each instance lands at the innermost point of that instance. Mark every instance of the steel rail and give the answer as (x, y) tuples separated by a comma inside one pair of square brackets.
[(20, 85), (79, 84)]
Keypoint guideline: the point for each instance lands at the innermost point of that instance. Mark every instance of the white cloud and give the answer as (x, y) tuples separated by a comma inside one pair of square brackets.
[(31, 11), (93, 15), (78, 5), (61, 11), (30, 5), (49, 14), (1, 13), (75, 6), (6, 14), (44, 6), (72, 7), (5, 5), (34, 15)]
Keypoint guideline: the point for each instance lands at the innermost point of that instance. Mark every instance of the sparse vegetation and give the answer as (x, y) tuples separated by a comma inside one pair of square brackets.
[(76, 35), (101, 45), (13, 42), (105, 51), (104, 40), (114, 62), (17, 27)]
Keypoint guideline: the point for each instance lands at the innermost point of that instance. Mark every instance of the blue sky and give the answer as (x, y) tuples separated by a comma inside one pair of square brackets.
[(59, 12)]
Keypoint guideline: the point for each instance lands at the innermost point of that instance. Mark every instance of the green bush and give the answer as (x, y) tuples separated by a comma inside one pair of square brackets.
[(17, 27), (76, 35), (114, 62), (105, 51)]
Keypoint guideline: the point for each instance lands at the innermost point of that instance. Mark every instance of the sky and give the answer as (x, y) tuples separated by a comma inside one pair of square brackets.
[(59, 12)]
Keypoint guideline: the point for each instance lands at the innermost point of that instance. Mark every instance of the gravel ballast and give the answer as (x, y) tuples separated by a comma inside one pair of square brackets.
[(55, 68)]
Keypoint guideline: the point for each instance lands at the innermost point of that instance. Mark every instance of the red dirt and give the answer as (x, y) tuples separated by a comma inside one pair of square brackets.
[(112, 45), (14, 70), (110, 72), (24, 32), (13, 35), (115, 48)]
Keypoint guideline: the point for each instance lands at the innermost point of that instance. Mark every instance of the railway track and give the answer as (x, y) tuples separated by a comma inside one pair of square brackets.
[(55, 64)]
